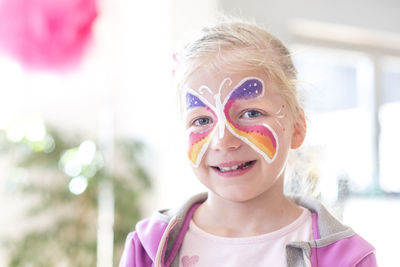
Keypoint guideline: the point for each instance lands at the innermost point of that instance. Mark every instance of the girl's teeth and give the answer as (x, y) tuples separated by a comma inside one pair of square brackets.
[(231, 168)]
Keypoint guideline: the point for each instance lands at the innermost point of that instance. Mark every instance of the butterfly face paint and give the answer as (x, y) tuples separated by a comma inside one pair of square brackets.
[(261, 137)]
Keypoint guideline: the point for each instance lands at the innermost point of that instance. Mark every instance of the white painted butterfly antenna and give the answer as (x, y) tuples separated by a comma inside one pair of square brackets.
[(205, 87)]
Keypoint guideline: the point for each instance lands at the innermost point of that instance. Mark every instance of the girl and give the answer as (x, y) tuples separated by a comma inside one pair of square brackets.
[(242, 117)]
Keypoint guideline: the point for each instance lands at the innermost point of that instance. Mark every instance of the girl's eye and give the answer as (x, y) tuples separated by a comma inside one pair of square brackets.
[(251, 114), (201, 121)]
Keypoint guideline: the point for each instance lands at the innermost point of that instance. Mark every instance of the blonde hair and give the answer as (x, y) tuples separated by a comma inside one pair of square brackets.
[(241, 46)]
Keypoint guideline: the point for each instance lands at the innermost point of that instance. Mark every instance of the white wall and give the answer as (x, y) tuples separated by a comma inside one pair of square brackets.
[(276, 15)]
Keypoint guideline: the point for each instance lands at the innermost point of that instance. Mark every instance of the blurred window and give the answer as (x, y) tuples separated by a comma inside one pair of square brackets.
[(389, 114), (353, 105)]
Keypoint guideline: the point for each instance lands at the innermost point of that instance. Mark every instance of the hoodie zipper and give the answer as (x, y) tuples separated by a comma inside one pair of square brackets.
[(163, 242)]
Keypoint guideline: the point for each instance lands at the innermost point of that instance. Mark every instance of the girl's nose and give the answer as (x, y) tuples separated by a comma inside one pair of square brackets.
[(227, 142)]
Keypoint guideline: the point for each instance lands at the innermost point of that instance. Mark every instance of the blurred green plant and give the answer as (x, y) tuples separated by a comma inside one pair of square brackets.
[(61, 174)]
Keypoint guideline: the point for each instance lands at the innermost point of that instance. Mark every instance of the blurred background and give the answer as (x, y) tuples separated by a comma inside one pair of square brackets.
[(90, 135)]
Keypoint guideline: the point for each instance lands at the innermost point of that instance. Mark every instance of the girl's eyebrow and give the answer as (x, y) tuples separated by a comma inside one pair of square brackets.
[(252, 101), (197, 110)]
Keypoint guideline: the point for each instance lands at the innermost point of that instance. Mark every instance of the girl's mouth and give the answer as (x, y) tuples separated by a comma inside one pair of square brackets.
[(234, 170)]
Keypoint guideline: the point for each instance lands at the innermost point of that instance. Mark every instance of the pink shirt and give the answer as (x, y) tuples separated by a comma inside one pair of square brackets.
[(202, 249)]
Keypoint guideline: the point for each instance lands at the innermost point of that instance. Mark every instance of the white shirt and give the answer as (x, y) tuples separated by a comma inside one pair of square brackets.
[(202, 249)]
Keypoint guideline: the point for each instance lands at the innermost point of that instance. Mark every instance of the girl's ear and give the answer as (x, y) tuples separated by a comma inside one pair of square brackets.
[(299, 130)]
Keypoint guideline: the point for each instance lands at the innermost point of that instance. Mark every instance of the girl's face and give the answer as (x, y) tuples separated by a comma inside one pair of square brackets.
[(239, 132)]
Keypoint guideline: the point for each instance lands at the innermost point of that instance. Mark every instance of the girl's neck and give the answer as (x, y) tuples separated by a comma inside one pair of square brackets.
[(263, 214)]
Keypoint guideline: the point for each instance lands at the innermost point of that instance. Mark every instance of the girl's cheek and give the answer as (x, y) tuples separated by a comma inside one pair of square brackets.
[(194, 147), (198, 142)]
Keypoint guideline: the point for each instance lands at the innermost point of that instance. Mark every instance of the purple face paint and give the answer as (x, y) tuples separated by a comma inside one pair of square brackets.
[(252, 88), (193, 101)]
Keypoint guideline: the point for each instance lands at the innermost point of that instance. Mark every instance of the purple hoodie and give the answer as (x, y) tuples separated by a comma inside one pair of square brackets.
[(157, 240)]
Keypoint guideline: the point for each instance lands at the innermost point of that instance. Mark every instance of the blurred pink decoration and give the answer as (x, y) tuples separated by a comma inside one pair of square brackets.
[(176, 60), (46, 34)]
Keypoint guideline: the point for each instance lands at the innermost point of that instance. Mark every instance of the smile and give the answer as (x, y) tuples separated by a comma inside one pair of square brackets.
[(237, 169)]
